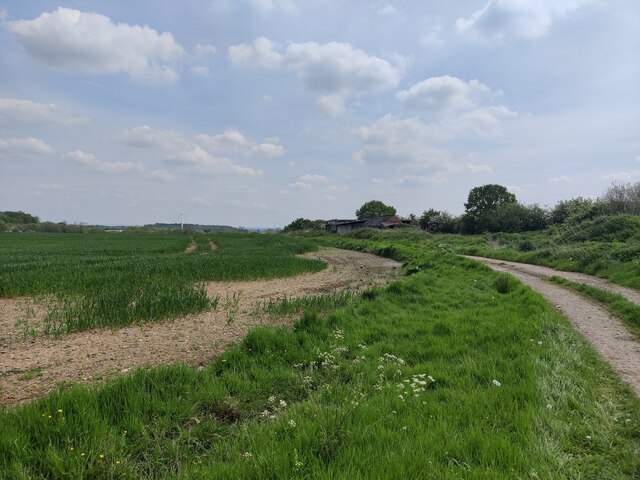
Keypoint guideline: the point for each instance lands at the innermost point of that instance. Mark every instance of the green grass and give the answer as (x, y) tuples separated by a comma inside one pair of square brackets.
[(436, 376), (628, 311), (111, 280)]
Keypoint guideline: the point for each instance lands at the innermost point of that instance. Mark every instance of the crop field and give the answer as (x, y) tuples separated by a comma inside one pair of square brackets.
[(453, 371), (112, 279)]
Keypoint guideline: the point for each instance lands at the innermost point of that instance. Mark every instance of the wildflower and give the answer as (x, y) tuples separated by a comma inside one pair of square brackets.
[(265, 413), (247, 454), (50, 416), (117, 462), (404, 427), (71, 449), (588, 437), (298, 464), (431, 379), (101, 456), (292, 423), (539, 343), (496, 383), (549, 407), (394, 412), (272, 399), (82, 454), (59, 410), (283, 403)]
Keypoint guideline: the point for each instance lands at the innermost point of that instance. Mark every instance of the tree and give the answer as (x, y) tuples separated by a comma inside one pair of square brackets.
[(374, 208), (304, 224), (487, 198), (427, 216)]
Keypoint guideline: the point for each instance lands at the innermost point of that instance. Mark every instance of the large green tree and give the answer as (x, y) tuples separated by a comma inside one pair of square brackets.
[(486, 198), (374, 208)]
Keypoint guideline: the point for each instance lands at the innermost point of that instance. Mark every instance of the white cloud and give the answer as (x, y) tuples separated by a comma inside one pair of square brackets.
[(481, 121), (560, 179), (333, 68), (232, 140), (331, 105), (431, 37), (267, 149), (265, 6), (14, 111), (92, 163), (207, 164), (622, 176), (87, 42), (161, 174), (200, 71), (391, 140), (202, 50), (300, 186), (412, 145), (3, 15), (310, 178), (23, 147), (442, 174), (387, 10), (503, 19), (443, 93), (147, 137)]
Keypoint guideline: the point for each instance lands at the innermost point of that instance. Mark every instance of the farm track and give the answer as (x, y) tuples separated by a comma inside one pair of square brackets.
[(605, 332), (32, 368)]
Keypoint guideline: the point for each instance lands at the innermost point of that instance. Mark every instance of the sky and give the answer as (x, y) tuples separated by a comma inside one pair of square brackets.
[(256, 112)]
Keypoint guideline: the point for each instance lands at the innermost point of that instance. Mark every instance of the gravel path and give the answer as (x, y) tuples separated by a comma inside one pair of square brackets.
[(31, 368), (607, 334)]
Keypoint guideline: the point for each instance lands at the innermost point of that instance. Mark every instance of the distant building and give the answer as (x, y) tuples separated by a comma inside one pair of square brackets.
[(381, 222)]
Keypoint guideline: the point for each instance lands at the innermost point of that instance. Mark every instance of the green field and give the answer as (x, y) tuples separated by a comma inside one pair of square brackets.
[(452, 372), (115, 279)]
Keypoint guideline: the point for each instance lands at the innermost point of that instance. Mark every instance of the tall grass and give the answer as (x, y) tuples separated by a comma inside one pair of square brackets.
[(437, 376)]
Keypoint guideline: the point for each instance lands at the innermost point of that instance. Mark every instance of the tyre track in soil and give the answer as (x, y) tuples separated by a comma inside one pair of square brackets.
[(95, 355), (605, 332)]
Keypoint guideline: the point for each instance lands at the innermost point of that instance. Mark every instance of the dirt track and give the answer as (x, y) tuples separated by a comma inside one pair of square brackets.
[(607, 333), (29, 369)]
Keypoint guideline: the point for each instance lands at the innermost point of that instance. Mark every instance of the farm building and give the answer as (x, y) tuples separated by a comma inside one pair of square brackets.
[(345, 226)]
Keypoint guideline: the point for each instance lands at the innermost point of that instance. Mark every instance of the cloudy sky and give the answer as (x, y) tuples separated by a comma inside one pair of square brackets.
[(255, 112)]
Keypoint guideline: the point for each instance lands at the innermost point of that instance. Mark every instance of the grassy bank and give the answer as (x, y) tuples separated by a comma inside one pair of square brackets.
[(440, 375), (618, 305), (111, 279)]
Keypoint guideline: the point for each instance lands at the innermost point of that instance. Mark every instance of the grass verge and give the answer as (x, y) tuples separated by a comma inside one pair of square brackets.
[(618, 305)]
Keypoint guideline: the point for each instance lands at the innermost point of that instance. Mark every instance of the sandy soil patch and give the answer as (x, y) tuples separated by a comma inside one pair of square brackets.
[(31, 368), (191, 247), (605, 332)]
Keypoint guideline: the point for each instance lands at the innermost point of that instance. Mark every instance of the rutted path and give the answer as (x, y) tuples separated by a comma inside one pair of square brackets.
[(31, 368), (606, 333)]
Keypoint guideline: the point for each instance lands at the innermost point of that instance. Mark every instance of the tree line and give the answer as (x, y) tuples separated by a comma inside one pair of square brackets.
[(492, 208)]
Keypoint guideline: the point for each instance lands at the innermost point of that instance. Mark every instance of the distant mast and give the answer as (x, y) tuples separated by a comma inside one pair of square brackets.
[(181, 220)]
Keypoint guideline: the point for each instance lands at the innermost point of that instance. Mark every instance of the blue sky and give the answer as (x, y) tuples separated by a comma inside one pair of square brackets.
[(256, 112)]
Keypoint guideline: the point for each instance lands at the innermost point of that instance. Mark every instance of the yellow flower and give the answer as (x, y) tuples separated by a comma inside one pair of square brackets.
[(82, 454), (117, 462), (71, 449), (101, 456), (59, 410)]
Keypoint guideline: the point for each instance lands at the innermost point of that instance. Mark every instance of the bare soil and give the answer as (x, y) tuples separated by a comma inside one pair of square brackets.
[(32, 367), (605, 332), (191, 247)]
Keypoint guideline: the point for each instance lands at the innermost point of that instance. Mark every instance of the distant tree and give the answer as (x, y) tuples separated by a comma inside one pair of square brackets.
[(427, 216), (620, 199), (443, 223), (487, 197), (14, 218), (374, 208), (300, 224)]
